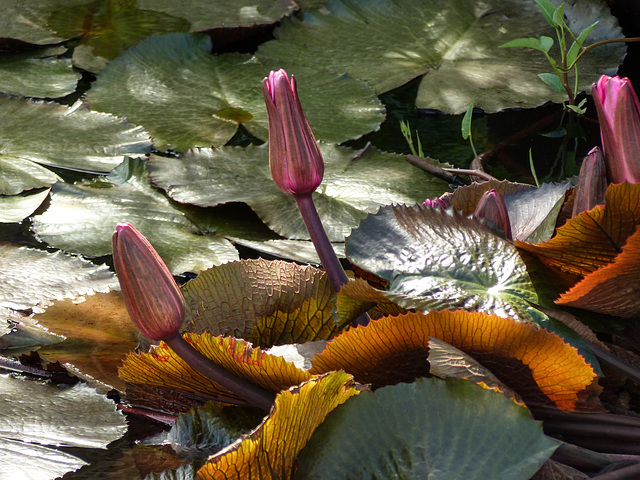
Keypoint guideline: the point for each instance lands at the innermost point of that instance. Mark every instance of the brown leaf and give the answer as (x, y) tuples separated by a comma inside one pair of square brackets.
[(538, 365), (465, 199), (270, 450)]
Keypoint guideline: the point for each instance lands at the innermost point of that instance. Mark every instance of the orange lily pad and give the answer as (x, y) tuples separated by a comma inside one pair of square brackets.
[(594, 238), (270, 450), (537, 364), (162, 367), (612, 290), (358, 296)]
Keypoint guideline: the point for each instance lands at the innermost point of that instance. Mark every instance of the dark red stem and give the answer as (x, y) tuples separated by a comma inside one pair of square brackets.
[(241, 387)]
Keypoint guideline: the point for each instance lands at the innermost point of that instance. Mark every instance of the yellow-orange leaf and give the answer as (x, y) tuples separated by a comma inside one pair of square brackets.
[(614, 289), (538, 365), (270, 450), (592, 240), (163, 367)]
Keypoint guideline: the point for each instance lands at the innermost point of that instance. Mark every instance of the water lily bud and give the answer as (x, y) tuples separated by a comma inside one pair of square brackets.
[(294, 157), (592, 183), (492, 207), (619, 114), (154, 300), (435, 202)]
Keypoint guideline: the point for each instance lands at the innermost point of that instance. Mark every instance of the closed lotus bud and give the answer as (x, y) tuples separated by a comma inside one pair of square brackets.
[(592, 183), (154, 300), (294, 157), (435, 202), (619, 114), (491, 207)]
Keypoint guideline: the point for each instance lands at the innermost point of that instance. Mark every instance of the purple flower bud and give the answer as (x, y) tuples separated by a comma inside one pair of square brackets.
[(435, 202), (619, 114), (294, 157), (154, 300), (592, 183), (492, 207)]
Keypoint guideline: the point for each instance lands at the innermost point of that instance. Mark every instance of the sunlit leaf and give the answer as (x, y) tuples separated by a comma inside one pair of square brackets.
[(612, 290), (162, 73), (358, 296), (263, 302), (427, 429), (31, 276), (454, 45), (302, 251), (15, 208), (163, 367), (594, 238), (18, 175), (82, 217), (354, 183), (270, 451), (537, 364), (99, 334), (438, 259), (35, 462)]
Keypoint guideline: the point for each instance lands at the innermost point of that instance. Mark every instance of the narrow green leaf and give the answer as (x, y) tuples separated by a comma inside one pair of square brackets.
[(576, 46), (548, 9), (466, 122), (553, 81), (525, 43), (558, 16)]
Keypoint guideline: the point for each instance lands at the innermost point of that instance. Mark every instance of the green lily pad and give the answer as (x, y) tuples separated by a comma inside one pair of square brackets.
[(453, 44), (38, 73), (187, 97), (18, 175), (437, 259), (82, 218), (354, 183), (436, 429), (15, 208), (69, 137)]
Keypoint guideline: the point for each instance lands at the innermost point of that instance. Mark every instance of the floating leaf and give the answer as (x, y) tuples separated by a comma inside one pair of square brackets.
[(71, 137), (81, 218), (453, 46), (15, 208), (358, 296), (427, 429), (302, 251), (18, 175), (163, 367), (612, 290), (263, 302), (26, 460), (354, 183), (594, 238), (31, 276), (99, 334), (270, 451), (436, 259), (537, 364), (162, 73)]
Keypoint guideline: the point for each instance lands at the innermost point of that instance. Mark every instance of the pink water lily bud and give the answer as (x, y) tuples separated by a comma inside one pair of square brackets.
[(294, 157), (154, 300), (619, 114), (435, 203), (492, 207), (592, 183)]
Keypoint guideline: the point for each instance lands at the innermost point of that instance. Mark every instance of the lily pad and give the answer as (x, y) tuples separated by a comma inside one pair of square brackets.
[(18, 175), (437, 259), (31, 276), (82, 218), (15, 208), (436, 429), (41, 73), (153, 84), (70, 137), (452, 44), (354, 183)]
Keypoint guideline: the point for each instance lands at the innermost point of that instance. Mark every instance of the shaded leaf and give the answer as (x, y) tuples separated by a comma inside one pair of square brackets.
[(436, 259), (270, 451), (537, 364), (263, 302), (594, 238), (613, 289), (99, 334), (427, 429), (354, 183), (71, 137), (163, 72), (163, 367), (358, 296), (82, 217), (31, 277), (302, 251)]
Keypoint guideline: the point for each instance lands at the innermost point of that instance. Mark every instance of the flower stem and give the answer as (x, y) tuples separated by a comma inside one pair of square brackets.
[(337, 277), (251, 392)]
